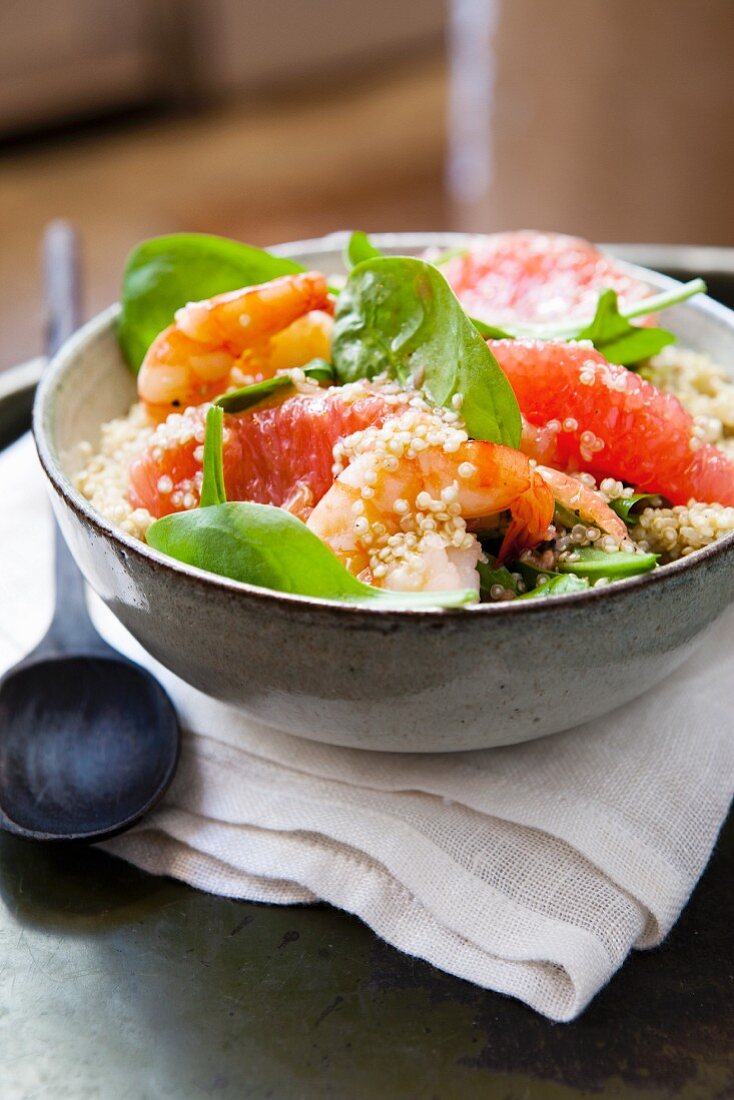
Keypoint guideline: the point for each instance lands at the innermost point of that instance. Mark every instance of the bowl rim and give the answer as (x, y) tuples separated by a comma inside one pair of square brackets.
[(102, 322)]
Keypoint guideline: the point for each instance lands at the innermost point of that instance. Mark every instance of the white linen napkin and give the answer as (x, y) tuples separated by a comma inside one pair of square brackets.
[(530, 870)]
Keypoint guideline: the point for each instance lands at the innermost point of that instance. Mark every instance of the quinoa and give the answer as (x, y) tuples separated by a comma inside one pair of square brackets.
[(104, 478), (703, 388), (676, 532)]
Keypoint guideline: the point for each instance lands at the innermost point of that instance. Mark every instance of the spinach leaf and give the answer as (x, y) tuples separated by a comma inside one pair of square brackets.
[(556, 585), (399, 315), (165, 273), (247, 396), (266, 546), (490, 574), (610, 331), (532, 573), (360, 248), (212, 487), (490, 332), (623, 506), (449, 254), (619, 341), (565, 517), (593, 563)]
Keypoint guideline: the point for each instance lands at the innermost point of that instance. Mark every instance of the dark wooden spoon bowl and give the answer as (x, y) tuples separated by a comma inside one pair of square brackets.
[(88, 741)]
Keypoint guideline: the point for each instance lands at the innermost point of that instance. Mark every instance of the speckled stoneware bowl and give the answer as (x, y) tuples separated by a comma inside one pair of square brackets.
[(418, 681)]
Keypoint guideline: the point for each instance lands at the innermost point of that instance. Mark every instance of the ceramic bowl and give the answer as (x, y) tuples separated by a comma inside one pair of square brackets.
[(412, 681)]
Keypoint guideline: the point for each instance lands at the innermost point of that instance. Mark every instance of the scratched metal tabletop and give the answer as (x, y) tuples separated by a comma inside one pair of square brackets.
[(119, 985)]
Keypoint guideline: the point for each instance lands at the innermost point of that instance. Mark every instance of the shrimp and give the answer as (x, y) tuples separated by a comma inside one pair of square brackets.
[(590, 505), (236, 338), (396, 515)]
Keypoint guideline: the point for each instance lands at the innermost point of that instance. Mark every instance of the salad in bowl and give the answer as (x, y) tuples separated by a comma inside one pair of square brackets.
[(416, 493), (501, 422)]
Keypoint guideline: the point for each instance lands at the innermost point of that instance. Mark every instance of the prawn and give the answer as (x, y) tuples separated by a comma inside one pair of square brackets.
[(590, 505), (397, 515), (234, 339)]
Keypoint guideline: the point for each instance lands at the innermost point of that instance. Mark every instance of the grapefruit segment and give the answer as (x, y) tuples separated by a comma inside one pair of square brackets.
[(583, 413), (536, 278), (281, 453)]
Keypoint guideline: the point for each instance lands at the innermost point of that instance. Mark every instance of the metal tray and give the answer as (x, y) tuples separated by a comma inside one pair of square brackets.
[(116, 984)]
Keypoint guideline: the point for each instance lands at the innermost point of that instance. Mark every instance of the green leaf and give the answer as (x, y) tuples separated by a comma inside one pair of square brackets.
[(212, 488), (619, 341), (565, 517), (320, 370), (557, 585), (266, 546), (593, 563), (532, 574), (607, 324), (489, 575), (490, 332), (360, 248), (449, 254), (624, 506), (398, 315), (244, 398), (165, 273)]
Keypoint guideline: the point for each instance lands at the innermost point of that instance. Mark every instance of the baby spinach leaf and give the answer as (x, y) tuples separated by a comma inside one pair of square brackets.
[(360, 248), (212, 487), (556, 585), (399, 315), (490, 574), (449, 254), (593, 563), (565, 517), (532, 574), (619, 341), (624, 506), (610, 331), (165, 273), (267, 546), (320, 370), (246, 396), (490, 332)]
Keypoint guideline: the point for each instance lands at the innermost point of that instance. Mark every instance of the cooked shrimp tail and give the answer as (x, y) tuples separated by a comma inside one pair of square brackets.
[(531, 512), (236, 338), (590, 505)]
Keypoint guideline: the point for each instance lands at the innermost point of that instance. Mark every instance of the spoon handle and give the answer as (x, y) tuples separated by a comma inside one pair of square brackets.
[(71, 629)]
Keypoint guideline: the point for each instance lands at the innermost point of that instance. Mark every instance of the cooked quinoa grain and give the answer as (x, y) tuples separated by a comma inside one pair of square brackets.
[(703, 387), (676, 532), (104, 479)]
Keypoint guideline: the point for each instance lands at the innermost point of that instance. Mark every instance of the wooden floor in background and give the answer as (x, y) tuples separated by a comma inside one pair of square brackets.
[(369, 157)]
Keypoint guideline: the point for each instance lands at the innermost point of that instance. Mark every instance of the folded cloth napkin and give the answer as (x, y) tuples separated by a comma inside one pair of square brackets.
[(531, 870)]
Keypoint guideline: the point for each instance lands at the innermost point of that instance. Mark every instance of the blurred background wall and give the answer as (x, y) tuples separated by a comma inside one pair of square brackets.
[(283, 119), (609, 118)]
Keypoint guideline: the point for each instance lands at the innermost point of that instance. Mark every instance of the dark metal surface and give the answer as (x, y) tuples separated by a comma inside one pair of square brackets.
[(117, 984)]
